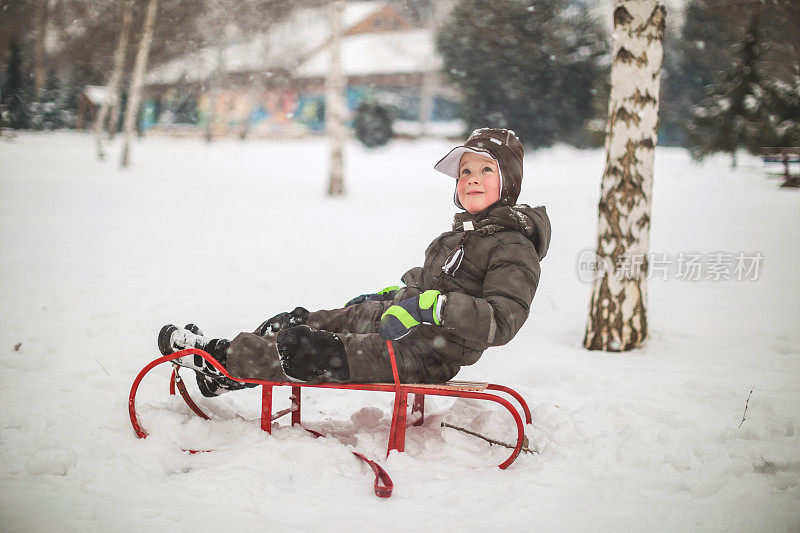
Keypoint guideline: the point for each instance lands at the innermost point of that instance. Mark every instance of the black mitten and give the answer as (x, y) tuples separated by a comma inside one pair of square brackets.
[(380, 296), (308, 354), (283, 320)]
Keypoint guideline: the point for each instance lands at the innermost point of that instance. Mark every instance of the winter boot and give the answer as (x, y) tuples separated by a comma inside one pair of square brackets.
[(194, 328), (281, 321), (172, 339), (312, 355), (209, 380), (211, 385)]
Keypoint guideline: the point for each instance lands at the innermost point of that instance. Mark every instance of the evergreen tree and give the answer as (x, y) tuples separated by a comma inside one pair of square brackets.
[(732, 108), (694, 59), (780, 103), (706, 55), (781, 111), (57, 103), (13, 103), (530, 66), (781, 50), (780, 128)]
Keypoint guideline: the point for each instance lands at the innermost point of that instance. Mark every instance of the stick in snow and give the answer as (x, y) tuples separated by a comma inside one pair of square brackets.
[(101, 366), (492, 441), (745, 407)]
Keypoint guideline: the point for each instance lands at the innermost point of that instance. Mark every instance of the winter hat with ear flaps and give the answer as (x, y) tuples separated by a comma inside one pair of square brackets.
[(501, 145)]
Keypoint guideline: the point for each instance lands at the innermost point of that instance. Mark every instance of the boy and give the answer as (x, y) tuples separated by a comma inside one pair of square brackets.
[(473, 291)]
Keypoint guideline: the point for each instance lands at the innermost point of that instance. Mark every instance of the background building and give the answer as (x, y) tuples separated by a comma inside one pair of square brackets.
[(272, 83)]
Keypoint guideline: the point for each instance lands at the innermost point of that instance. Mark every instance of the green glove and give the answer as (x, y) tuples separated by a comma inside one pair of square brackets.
[(380, 296), (400, 318)]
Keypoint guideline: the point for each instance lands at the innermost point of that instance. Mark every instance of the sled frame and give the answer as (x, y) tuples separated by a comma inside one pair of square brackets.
[(397, 432)]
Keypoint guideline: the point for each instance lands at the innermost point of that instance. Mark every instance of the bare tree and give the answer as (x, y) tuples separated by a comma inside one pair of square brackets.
[(219, 12), (120, 56), (113, 89), (218, 24), (39, 25), (334, 105), (139, 68), (618, 315), (438, 13)]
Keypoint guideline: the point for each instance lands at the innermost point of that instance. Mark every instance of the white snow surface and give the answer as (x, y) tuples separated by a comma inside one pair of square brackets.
[(94, 260)]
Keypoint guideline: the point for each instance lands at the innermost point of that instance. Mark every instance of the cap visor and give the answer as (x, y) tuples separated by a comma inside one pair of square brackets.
[(449, 163)]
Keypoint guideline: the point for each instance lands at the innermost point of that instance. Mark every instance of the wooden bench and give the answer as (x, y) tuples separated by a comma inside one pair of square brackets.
[(458, 389), (785, 155)]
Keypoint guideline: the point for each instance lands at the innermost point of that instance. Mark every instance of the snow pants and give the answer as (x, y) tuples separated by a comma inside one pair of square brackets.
[(256, 357)]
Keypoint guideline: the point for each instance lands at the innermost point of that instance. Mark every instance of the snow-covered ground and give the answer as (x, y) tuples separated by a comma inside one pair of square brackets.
[(93, 260)]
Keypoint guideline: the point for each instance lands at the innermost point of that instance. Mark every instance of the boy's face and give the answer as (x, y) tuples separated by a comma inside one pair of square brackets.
[(478, 182)]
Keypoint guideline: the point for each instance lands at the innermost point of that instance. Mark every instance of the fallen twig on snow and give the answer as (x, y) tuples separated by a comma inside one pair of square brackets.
[(101, 366), (745, 407), (492, 441)]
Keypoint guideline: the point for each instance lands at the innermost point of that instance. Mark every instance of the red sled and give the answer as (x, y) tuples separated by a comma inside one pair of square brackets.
[(397, 433)]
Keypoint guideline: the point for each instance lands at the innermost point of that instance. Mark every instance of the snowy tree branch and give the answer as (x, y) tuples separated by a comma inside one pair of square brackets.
[(745, 407)]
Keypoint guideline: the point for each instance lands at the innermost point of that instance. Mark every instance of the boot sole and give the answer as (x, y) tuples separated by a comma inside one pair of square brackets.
[(164, 336), (194, 328)]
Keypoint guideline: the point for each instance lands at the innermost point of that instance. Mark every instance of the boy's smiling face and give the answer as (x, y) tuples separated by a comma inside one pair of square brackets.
[(478, 182)]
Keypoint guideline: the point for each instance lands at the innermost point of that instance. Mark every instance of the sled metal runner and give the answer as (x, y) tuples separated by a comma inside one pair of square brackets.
[(397, 433)]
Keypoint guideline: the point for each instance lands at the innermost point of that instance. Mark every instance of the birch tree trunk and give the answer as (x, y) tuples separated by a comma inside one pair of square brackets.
[(426, 101), (116, 107), (137, 82), (214, 84), (39, 25), (334, 108), (113, 88), (430, 78), (618, 308)]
